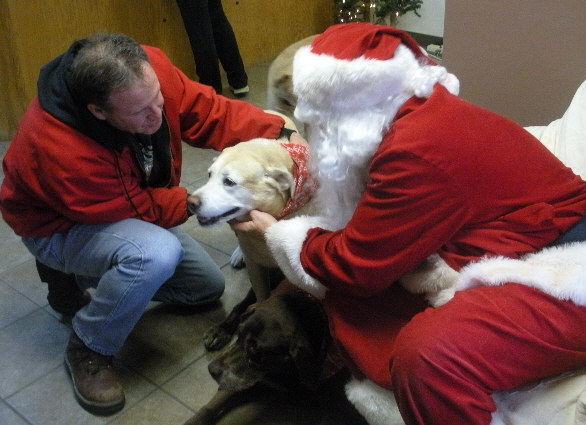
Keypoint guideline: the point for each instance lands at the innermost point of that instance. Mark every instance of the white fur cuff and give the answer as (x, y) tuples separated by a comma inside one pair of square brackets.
[(285, 239), (559, 271)]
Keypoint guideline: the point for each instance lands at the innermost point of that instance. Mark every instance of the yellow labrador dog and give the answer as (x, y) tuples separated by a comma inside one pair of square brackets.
[(280, 95), (263, 174)]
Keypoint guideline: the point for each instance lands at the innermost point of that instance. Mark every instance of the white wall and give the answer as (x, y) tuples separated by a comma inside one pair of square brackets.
[(431, 22)]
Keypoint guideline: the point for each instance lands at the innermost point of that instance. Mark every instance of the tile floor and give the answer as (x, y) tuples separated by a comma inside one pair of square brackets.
[(163, 365)]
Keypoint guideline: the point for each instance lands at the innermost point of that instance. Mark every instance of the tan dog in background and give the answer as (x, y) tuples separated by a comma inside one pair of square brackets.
[(280, 95)]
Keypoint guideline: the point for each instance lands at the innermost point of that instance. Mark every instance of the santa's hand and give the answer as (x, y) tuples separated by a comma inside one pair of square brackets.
[(257, 226)]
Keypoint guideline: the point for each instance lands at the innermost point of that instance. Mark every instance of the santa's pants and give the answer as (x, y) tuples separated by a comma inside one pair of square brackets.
[(446, 362)]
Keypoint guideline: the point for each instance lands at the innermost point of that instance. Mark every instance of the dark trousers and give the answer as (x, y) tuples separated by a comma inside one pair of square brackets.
[(212, 39)]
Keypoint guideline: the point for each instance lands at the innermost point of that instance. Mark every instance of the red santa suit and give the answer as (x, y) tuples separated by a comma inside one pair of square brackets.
[(408, 169)]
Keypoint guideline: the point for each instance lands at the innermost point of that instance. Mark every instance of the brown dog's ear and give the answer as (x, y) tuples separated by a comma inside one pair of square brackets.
[(303, 354), (305, 361), (281, 179)]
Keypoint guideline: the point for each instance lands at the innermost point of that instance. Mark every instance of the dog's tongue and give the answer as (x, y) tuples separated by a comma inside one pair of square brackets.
[(204, 220)]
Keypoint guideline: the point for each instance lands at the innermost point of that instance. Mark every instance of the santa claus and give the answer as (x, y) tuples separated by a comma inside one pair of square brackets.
[(407, 169)]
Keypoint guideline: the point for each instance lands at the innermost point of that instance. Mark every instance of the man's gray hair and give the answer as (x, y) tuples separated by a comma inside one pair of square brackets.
[(104, 63)]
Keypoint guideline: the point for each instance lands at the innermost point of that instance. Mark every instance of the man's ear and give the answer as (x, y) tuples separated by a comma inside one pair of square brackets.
[(96, 111)]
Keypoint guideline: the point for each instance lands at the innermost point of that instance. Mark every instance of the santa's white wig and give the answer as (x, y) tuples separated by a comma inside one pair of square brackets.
[(350, 82)]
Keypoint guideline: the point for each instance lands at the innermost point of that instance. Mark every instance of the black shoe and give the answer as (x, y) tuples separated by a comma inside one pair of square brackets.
[(95, 383), (65, 297)]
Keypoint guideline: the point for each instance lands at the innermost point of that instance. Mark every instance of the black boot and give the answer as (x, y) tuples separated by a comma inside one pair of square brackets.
[(65, 297), (96, 386)]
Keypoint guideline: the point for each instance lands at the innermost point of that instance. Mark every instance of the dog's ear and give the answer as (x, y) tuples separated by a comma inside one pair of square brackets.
[(281, 179), (303, 355), (305, 362)]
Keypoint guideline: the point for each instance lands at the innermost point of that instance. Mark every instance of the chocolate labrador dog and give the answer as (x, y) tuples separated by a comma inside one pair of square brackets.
[(282, 343)]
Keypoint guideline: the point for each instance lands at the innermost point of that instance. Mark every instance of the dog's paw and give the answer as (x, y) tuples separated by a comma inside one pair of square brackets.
[(216, 337), (237, 258)]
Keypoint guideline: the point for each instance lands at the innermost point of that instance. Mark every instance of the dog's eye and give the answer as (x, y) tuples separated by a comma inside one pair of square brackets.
[(228, 182), (253, 354)]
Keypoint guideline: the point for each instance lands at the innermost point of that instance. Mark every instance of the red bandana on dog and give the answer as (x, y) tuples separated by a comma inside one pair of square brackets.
[(305, 185)]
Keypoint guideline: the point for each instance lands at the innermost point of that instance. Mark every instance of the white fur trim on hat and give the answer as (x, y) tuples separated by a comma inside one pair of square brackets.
[(362, 83), (285, 240)]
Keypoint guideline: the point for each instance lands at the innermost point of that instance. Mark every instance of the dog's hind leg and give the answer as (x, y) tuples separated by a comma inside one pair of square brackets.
[(219, 336)]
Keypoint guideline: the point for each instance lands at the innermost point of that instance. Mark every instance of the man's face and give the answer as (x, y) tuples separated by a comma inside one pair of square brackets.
[(138, 109)]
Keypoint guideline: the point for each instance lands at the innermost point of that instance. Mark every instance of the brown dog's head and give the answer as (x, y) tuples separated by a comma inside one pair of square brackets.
[(278, 344)]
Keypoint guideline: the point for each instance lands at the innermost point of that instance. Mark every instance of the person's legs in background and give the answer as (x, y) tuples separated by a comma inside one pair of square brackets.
[(198, 25), (213, 41), (227, 49)]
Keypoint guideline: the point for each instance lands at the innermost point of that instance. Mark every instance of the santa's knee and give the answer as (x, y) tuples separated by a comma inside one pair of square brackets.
[(424, 352)]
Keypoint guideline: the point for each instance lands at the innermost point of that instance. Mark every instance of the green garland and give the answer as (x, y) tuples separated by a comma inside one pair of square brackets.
[(350, 11), (358, 10), (386, 8)]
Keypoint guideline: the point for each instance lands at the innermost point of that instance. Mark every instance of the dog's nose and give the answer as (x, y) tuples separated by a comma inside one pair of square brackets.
[(193, 203), (215, 369)]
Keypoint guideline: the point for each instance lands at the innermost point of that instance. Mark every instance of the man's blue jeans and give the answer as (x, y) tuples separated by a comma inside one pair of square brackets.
[(129, 263)]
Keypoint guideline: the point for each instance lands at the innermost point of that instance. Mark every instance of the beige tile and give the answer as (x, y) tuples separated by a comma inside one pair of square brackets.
[(25, 279), (158, 408), (13, 305), (196, 163), (9, 416), (31, 347), (194, 386)]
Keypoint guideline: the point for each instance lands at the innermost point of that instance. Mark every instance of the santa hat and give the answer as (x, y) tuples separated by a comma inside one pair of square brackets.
[(360, 65)]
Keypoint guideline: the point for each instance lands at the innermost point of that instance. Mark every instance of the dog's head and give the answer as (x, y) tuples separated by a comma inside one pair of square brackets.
[(280, 94), (278, 343), (252, 175)]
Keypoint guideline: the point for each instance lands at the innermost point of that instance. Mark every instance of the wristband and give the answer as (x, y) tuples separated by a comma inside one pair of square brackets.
[(286, 132)]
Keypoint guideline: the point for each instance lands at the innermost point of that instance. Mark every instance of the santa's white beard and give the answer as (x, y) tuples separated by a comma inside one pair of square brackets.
[(342, 145)]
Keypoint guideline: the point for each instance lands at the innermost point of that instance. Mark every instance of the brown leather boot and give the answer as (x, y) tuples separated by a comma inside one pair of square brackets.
[(65, 297), (95, 383)]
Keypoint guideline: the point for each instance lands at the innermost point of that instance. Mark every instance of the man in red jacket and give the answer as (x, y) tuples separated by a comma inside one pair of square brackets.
[(408, 169), (91, 185)]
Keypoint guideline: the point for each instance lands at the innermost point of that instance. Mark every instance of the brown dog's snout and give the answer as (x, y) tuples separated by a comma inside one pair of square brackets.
[(193, 203), (215, 369)]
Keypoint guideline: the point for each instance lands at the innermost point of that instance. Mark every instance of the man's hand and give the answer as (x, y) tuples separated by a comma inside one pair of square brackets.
[(257, 226)]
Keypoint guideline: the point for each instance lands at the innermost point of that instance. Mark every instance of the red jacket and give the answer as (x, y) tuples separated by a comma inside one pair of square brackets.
[(452, 178), (56, 176)]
